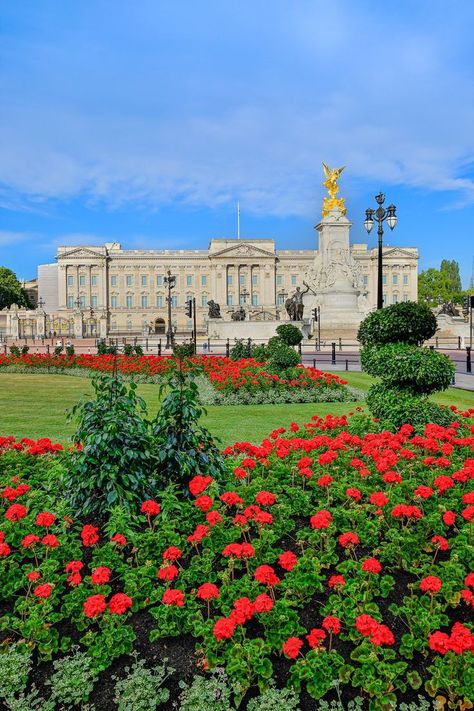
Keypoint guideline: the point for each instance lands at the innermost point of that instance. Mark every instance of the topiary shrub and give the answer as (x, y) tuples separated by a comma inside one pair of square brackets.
[(241, 349), (25, 350), (183, 350), (128, 349), (70, 350), (406, 322), (15, 351), (289, 334), (281, 357), (138, 350), (392, 339)]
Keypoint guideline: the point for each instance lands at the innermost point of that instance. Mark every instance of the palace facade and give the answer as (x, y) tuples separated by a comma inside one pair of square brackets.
[(124, 291)]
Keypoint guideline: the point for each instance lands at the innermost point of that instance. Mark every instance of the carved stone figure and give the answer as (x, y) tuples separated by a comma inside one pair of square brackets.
[(214, 309), (238, 314), (294, 305)]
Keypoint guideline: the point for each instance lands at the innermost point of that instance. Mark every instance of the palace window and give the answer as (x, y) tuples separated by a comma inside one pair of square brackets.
[(366, 279), (82, 301), (174, 300), (405, 297), (204, 300), (254, 299), (189, 280), (82, 280), (242, 300), (395, 299), (144, 302), (94, 302), (384, 278), (93, 280), (113, 302), (129, 325), (394, 278), (113, 281), (70, 302), (405, 279), (159, 301), (254, 278), (384, 299), (203, 280), (144, 280), (229, 279), (129, 280), (230, 300), (129, 302), (279, 280), (242, 279), (293, 280), (70, 281), (159, 281), (280, 300)]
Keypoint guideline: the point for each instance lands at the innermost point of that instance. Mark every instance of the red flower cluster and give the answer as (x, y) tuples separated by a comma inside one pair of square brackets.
[(460, 640), (378, 633)]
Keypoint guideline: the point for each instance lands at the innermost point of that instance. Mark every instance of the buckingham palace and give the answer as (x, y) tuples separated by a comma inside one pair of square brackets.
[(123, 292)]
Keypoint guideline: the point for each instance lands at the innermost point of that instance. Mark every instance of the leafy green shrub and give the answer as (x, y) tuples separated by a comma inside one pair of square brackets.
[(406, 322), (101, 348), (259, 352), (183, 447), (15, 351), (397, 406), (70, 350), (273, 699), (142, 689), (289, 334), (72, 680), (58, 350), (281, 356), (128, 349), (25, 350), (206, 693), (420, 369), (32, 701), (15, 666), (116, 462), (183, 350), (138, 350), (242, 349)]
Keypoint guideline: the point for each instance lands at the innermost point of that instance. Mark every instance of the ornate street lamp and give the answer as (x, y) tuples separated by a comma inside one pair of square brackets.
[(171, 282), (244, 293), (41, 303), (381, 214)]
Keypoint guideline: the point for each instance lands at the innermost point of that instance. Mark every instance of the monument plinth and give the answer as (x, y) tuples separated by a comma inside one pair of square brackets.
[(334, 279)]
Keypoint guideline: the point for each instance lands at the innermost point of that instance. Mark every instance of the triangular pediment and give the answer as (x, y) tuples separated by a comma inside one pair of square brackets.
[(243, 250), (400, 252), (81, 253)]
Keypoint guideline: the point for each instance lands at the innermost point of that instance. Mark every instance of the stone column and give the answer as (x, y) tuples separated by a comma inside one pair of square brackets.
[(88, 286), (41, 324), (103, 325), (78, 327), (62, 287)]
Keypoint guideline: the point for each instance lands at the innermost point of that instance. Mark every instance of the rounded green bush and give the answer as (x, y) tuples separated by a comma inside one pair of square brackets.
[(281, 356), (289, 334), (405, 366), (406, 322), (395, 407)]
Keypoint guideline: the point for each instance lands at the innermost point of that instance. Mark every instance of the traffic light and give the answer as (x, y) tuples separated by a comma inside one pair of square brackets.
[(466, 303), (189, 308), (315, 314)]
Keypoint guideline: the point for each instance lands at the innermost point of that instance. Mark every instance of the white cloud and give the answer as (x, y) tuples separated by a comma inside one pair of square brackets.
[(396, 106)]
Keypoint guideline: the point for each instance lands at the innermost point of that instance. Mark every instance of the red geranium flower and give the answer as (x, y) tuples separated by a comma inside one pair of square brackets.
[(172, 553), (150, 508), (287, 560), (230, 498), (265, 498), (168, 573), (441, 542), (336, 581), (322, 519), (43, 591), (199, 483), (29, 540), (33, 575), (119, 603), (266, 575), (263, 603), (371, 565), (94, 605), (315, 637), (203, 502), (348, 539), (74, 566), (431, 584), (354, 493), (89, 535), (223, 629), (100, 576), (173, 597), (449, 517), (45, 519), (119, 539), (15, 512), (50, 540), (5, 550), (332, 624), (378, 498), (207, 591), (469, 580), (292, 647), (213, 518)]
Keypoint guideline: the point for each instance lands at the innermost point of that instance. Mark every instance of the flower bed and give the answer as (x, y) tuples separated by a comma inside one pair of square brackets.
[(232, 382), (330, 553)]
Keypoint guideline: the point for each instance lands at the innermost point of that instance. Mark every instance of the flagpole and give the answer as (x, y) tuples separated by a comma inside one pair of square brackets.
[(238, 219)]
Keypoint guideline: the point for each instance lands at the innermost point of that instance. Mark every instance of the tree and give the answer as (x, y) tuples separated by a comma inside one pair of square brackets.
[(11, 291), (441, 285)]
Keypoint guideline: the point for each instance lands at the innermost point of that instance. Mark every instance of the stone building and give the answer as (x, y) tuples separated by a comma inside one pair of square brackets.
[(123, 291)]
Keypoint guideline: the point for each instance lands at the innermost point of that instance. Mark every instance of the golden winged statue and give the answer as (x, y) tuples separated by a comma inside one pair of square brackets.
[(331, 202)]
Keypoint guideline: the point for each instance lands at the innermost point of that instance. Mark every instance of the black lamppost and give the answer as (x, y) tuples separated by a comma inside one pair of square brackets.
[(380, 214), (244, 293), (41, 303), (171, 281)]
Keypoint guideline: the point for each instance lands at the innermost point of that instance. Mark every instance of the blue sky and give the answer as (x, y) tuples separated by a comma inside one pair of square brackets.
[(144, 122)]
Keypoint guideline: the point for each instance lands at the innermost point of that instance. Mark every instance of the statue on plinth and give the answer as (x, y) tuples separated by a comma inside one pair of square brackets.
[(448, 309), (294, 305), (238, 314), (214, 309), (332, 202)]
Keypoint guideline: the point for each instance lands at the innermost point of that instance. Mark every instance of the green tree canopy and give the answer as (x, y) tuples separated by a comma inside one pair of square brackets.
[(440, 285), (11, 290)]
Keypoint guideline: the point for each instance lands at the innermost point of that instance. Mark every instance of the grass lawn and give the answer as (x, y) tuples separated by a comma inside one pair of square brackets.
[(35, 405)]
